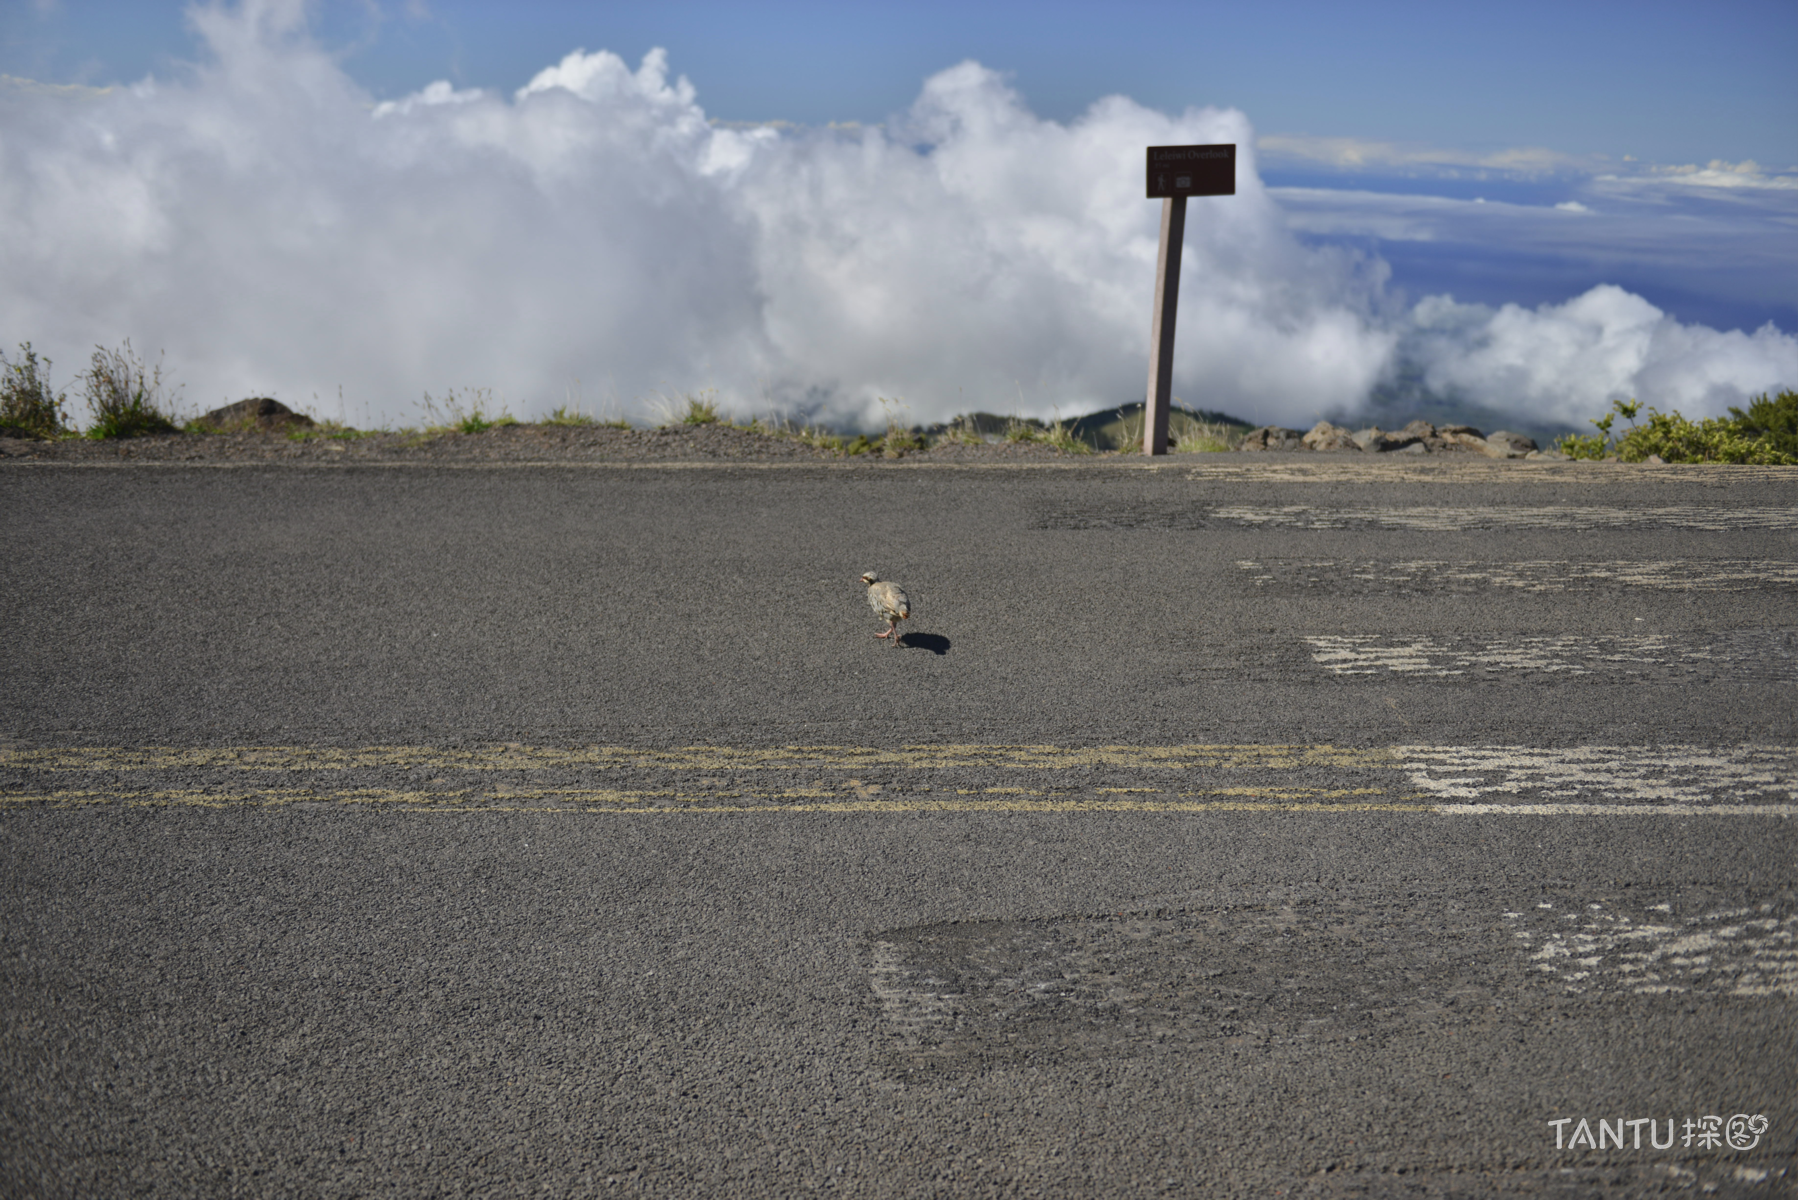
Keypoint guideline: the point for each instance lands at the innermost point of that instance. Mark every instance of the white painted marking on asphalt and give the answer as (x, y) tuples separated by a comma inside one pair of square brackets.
[(1441, 519), (1456, 468), (1596, 780), (1735, 952), (1618, 810), (1744, 654), (1536, 575), (908, 1007), (1371, 654)]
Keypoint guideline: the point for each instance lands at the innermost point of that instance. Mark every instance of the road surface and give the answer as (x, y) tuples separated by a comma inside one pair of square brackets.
[(1301, 826)]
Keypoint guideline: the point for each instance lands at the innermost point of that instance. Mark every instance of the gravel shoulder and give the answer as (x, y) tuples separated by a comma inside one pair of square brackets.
[(505, 444)]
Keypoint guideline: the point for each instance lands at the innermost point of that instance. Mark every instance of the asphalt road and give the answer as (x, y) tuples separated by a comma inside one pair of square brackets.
[(1270, 828)]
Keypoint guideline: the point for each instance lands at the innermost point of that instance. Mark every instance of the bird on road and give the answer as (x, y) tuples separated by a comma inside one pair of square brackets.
[(889, 602)]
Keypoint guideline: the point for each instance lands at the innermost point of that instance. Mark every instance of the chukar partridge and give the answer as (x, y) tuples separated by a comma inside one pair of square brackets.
[(889, 603)]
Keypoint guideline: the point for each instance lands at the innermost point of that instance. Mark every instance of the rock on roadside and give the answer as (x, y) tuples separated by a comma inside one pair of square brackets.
[(1418, 437), (258, 412)]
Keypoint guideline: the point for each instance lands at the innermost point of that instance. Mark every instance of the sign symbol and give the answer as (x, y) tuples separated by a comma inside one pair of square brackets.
[(1183, 181)]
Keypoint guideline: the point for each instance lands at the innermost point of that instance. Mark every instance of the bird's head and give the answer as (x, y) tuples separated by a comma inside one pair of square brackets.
[(869, 579)]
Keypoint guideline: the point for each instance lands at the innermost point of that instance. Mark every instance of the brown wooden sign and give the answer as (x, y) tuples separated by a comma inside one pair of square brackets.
[(1175, 172), (1179, 171)]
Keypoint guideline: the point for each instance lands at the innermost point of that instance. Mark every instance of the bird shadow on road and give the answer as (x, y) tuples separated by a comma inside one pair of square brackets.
[(934, 642)]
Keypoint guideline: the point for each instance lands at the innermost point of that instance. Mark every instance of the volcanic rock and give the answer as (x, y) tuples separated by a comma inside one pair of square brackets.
[(1325, 436), (1417, 437), (1273, 437), (260, 412), (1504, 444)]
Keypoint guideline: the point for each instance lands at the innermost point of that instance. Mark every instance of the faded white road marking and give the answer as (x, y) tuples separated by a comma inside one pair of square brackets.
[(1567, 516), (910, 1003), (1540, 575), (1617, 810), (1766, 655), (1586, 780), (1381, 468), (1734, 952)]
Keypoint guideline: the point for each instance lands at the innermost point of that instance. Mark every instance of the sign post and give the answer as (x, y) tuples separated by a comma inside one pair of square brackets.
[(1175, 172)]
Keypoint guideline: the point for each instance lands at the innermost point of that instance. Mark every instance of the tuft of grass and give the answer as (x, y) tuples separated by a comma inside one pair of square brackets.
[(471, 412), (1130, 432), (1201, 437), (124, 398), (1058, 435), (1062, 437), (963, 431), (690, 408), (781, 427), (565, 415), (898, 441), (1025, 430), (335, 431), (28, 406), (815, 436), (573, 412)]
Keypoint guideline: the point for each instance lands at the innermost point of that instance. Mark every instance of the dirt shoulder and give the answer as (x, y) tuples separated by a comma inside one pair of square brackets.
[(510, 443)]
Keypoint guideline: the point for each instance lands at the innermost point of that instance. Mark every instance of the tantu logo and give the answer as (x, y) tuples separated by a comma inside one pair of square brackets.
[(1740, 1132)]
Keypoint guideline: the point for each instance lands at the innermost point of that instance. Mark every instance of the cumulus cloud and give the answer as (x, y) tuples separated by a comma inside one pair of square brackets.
[(1568, 361), (278, 232)]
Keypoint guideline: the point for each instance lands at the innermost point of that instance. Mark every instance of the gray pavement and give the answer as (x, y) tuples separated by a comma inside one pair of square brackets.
[(1293, 827)]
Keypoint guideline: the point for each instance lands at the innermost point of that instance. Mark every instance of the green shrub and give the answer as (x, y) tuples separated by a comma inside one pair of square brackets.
[(1774, 420), (124, 398), (1713, 440), (28, 407), (1755, 438), (1595, 446)]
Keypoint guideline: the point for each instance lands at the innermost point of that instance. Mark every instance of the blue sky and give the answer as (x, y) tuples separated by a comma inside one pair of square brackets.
[(1667, 82), (1520, 155)]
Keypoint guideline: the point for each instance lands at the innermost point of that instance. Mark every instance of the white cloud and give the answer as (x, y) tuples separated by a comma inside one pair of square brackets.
[(1362, 154), (277, 232), (1714, 174), (1569, 361)]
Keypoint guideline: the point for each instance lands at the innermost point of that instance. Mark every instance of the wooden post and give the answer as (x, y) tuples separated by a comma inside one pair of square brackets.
[(1174, 173), (1161, 332)]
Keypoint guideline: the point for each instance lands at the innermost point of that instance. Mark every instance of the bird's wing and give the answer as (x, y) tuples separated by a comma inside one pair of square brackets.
[(888, 600)]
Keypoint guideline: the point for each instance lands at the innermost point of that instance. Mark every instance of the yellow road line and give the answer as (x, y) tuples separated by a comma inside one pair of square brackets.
[(810, 801), (1024, 777), (513, 757), (646, 802)]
